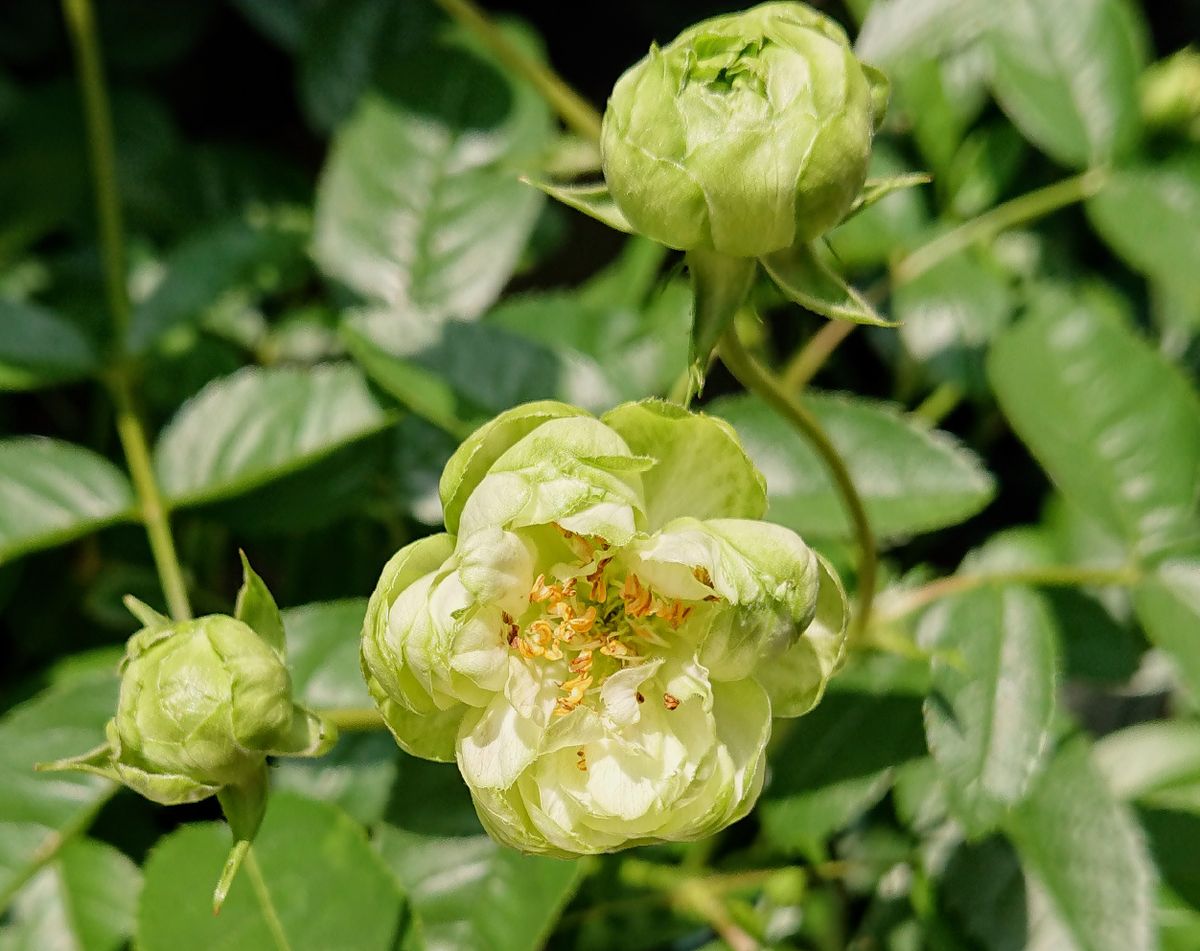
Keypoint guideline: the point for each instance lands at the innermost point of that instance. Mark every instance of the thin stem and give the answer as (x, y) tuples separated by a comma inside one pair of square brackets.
[(1021, 210), (355, 720), (1028, 207), (940, 403), (82, 25), (758, 381), (813, 355), (1052, 576), (263, 894), (575, 111), (154, 510)]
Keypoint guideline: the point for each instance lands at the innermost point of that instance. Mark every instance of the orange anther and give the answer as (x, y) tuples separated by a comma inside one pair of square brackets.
[(638, 602)]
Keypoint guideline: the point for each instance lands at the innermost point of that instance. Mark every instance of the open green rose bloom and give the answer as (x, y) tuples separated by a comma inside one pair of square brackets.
[(603, 637), (747, 134)]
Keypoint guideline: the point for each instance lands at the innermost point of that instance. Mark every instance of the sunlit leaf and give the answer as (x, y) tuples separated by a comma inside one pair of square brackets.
[(470, 894), (1113, 423), (84, 899), (257, 425), (994, 682), (420, 205), (1083, 852), (1066, 74), (911, 479), (52, 492), (311, 881), (40, 812)]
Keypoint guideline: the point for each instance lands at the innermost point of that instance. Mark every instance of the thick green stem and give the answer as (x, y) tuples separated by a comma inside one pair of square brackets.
[(575, 111), (1051, 576), (1022, 210), (355, 720), (82, 25), (758, 381)]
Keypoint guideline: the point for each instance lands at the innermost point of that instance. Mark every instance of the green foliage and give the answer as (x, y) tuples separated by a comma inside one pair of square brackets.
[(336, 262)]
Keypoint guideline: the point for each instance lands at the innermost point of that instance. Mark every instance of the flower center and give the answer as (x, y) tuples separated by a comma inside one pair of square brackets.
[(597, 623)]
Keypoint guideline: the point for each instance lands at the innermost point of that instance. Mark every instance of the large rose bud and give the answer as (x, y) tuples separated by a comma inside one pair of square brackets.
[(603, 636), (747, 134)]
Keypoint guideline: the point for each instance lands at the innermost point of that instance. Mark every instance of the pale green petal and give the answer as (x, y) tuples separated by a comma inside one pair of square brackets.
[(574, 472), (796, 680), (504, 817), (429, 735), (498, 742), (475, 456), (382, 661), (497, 568), (701, 469), (619, 693)]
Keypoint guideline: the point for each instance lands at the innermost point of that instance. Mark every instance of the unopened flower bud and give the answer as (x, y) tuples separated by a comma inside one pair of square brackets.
[(747, 134)]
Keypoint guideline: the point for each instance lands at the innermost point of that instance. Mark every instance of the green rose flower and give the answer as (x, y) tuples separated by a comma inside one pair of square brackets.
[(602, 638), (747, 134)]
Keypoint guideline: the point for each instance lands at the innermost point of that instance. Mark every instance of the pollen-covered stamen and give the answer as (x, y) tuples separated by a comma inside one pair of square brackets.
[(512, 630), (599, 590), (674, 613), (700, 573), (581, 760), (637, 597), (584, 624)]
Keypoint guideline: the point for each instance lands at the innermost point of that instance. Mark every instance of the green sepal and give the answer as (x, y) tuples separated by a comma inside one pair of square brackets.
[(98, 761), (256, 608), (244, 806), (151, 619), (594, 200), (876, 189), (881, 93), (720, 285), (310, 734), (800, 273)]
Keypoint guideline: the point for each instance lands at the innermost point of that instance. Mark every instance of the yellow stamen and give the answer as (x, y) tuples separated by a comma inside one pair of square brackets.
[(670, 701)]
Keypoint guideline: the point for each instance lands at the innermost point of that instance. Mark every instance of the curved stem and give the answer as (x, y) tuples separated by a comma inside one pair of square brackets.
[(1052, 576), (758, 381), (355, 719), (82, 25), (1021, 210), (575, 111)]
